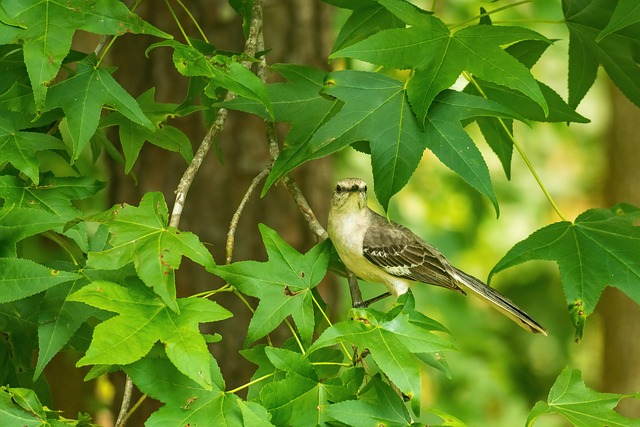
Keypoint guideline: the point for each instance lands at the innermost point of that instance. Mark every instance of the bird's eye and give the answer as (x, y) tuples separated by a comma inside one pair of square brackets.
[(338, 188), (365, 188)]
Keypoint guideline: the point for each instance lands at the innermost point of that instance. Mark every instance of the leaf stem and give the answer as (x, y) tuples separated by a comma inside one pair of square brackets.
[(195, 22), (326, 318), (523, 155), (500, 9), (177, 21), (250, 383)]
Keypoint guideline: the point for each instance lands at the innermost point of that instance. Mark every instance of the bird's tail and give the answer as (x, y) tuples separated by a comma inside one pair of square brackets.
[(499, 301)]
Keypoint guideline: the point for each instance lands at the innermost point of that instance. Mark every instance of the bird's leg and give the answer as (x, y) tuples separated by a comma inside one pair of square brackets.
[(367, 303)]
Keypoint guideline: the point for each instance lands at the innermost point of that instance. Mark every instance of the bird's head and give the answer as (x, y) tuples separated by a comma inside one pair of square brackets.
[(350, 193)]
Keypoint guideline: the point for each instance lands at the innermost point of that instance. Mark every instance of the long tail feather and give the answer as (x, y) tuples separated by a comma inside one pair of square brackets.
[(499, 301)]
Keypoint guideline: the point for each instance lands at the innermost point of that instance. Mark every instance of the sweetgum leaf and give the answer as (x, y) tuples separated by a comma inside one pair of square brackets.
[(54, 194), (141, 234), (142, 320), (82, 97), (188, 402), (394, 341), (599, 249), (627, 12), (133, 135), (283, 284), (45, 28), (20, 147), (617, 52), (439, 57), (580, 405), (22, 278)]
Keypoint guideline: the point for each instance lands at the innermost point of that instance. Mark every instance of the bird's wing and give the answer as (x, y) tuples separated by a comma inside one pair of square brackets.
[(399, 252)]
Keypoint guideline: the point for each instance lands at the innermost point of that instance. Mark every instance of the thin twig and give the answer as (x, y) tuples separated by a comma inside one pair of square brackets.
[(191, 171), (126, 401), (272, 139), (231, 235)]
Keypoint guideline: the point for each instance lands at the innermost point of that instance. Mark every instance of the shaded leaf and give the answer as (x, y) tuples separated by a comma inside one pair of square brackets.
[(54, 194), (20, 147), (393, 341), (133, 135), (439, 57), (45, 28), (627, 12), (82, 97), (22, 278), (187, 402), (617, 53)]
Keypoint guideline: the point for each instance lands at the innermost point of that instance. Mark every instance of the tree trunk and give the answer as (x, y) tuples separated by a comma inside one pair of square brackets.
[(621, 373)]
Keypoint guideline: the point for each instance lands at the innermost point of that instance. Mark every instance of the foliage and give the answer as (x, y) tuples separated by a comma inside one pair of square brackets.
[(111, 295)]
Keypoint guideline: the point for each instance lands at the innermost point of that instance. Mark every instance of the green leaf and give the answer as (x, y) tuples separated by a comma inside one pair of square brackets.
[(448, 140), (22, 278), (581, 406), (133, 135), (298, 102), (298, 399), (48, 26), (53, 195), (187, 402), (499, 132), (19, 223), (394, 342), (14, 414), (222, 70), (363, 22), (19, 147), (18, 323), (58, 321), (599, 249), (141, 234), (142, 320), (379, 404), (617, 52), (387, 123), (283, 285), (627, 12), (439, 57), (82, 97)]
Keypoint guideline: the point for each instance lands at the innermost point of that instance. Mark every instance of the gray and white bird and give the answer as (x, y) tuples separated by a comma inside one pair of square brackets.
[(378, 250)]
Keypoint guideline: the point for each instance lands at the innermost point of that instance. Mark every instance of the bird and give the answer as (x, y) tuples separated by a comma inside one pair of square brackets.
[(378, 250)]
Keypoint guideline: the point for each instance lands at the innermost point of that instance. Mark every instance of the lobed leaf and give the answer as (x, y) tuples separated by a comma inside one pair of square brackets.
[(581, 406), (45, 28), (599, 249), (283, 285), (617, 52), (142, 320), (22, 278), (141, 234), (82, 97)]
